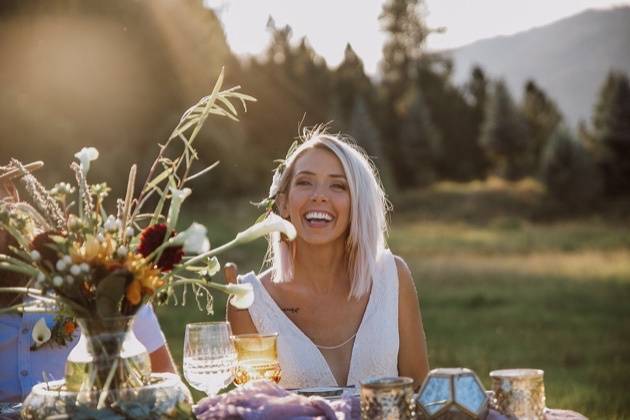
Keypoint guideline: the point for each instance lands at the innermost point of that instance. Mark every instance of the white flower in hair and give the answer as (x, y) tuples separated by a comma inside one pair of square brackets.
[(275, 184)]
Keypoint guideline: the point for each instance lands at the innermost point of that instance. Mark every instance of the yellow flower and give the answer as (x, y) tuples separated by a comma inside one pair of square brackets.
[(145, 278), (134, 292)]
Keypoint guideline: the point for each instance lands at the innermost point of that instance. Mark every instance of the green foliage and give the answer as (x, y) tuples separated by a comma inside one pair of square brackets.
[(454, 119), (418, 144), (542, 117), (504, 134), (350, 83), (568, 170), (611, 137)]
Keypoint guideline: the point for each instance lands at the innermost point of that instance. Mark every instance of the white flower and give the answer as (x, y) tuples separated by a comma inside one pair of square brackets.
[(35, 255), (177, 198), (75, 270), (275, 184), (85, 156), (85, 267), (273, 223), (41, 332), (60, 265), (242, 295), (129, 232), (122, 251), (67, 259), (111, 224), (194, 239), (40, 279), (57, 281)]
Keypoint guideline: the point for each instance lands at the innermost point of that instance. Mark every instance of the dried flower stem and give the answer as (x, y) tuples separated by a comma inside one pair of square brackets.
[(86, 205), (46, 203)]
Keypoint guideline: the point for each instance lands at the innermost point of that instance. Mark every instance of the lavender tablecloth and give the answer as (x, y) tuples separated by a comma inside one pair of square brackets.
[(264, 400)]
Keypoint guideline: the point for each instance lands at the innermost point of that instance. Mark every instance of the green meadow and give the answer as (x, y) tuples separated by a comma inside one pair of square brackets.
[(504, 282)]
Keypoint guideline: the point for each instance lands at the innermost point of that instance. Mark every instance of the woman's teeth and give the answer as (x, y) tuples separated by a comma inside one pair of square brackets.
[(318, 216)]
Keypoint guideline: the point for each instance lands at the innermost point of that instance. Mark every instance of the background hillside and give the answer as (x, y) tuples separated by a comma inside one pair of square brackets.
[(568, 58)]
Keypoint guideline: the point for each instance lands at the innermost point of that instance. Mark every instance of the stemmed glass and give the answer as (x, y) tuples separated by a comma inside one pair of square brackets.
[(209, 356)]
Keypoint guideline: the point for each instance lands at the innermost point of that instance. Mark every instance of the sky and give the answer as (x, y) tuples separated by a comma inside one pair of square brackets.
[(330, 24)]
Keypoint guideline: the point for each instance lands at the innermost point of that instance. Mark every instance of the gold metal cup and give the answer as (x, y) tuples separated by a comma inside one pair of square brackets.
[(389, 398), (519, 393)]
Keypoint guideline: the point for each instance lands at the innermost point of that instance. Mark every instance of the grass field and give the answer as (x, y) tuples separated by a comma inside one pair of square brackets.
[(501, 285)]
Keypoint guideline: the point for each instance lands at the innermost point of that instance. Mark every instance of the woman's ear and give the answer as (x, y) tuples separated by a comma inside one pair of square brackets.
[(281, 205)]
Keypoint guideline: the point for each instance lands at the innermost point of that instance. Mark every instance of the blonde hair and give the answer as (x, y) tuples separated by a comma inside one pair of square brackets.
[(369, 206)]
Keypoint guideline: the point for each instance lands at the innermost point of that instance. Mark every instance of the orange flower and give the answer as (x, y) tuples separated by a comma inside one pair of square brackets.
[(69, 327), (134, 295)]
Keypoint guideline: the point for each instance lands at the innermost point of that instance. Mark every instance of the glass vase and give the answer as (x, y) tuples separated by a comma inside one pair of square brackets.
[(107, 359)]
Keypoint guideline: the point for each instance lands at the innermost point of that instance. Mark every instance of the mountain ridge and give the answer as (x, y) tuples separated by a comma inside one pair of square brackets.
[(568, 58)]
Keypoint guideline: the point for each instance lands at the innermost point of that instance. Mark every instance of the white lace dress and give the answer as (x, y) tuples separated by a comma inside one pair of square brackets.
[(375, 348)]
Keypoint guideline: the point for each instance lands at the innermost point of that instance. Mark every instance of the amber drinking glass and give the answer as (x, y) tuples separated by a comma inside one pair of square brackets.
[(257, 356)]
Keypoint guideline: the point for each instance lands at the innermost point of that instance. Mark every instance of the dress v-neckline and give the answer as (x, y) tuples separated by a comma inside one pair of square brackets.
[(308, 339)]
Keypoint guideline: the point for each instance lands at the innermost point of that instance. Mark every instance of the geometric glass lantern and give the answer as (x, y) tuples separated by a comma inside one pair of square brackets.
[(453, 394)]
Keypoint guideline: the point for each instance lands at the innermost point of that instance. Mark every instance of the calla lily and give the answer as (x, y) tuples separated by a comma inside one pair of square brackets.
[(194, 239), (85, 156), (273, 223), (41, 332), (177, 198), (242, 294)]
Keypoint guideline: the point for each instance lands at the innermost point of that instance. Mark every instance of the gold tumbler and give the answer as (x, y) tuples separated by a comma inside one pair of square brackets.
[(519, 393), (389, 398)]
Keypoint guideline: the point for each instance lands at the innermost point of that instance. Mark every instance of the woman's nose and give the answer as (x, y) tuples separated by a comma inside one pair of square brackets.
[(319, 195)]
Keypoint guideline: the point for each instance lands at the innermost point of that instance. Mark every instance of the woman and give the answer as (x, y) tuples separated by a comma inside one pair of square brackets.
[(345, 308)]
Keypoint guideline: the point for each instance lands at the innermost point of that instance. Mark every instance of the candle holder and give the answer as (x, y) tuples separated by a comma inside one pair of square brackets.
[(452, 394), (387, 398), (519, 393)]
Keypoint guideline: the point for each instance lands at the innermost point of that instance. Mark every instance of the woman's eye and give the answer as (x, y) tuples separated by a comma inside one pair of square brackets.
[(302, 182), (339, 186)]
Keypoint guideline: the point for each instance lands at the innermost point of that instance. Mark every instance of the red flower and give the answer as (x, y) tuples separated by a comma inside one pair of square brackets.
[(46, 247), (151, 238)]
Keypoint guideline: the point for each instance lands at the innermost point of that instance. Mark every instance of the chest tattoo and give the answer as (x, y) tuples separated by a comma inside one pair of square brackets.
[(291, 310)]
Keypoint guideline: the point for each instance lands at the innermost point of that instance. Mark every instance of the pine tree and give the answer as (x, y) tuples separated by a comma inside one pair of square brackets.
[(477, 91), (418, 146), (403, 21), (542, 117), (453, 117), (611, 136), (367, 135), (568, 170), (350, 83), (504, 134)]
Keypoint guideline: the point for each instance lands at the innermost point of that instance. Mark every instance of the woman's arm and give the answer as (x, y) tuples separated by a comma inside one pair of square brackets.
[(239, 319), (162, 360), (412, 355)]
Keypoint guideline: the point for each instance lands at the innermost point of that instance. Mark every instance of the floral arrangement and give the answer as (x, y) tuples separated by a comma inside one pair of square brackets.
[(85, 262)]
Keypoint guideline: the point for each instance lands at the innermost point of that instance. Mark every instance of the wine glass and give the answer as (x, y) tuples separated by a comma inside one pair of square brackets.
[(257, 358), (209, 356)]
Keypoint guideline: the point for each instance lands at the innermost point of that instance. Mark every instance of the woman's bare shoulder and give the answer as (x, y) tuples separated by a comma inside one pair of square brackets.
[(405, 279)]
